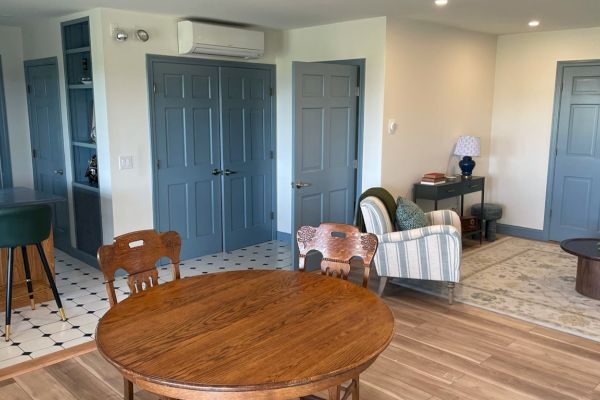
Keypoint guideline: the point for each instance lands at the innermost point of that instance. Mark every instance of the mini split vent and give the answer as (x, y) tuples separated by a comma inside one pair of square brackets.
[(201, 38)]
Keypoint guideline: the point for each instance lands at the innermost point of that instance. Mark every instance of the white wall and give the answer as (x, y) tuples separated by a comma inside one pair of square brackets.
[(347, 40), (123, 72), (11, 52), (439, 85), (522, 117)]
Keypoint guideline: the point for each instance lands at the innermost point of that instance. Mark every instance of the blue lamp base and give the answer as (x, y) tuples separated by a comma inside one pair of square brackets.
[(466, 166)]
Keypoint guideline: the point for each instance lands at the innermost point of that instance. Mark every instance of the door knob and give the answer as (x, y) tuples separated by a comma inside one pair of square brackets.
[(229, 172), (59, 172), (299, 185), (217, 171)]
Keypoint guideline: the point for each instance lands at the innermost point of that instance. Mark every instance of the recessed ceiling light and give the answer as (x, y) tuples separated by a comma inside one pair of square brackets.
[(534, 23), (441, 3)]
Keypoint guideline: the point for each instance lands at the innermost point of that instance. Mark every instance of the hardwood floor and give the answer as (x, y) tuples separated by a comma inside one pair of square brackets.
[(438, 352)]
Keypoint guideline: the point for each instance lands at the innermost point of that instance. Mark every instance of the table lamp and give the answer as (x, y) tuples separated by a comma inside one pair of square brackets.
[(468, 147)]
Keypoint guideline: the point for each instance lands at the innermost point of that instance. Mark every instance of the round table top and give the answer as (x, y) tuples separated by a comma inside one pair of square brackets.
[(245, 331), (582, 247)]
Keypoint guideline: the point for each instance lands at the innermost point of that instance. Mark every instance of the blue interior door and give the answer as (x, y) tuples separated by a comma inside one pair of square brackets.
[(576, 191), (187, 147), (45, 126), (325, 135), (5, 167), (247, 157)]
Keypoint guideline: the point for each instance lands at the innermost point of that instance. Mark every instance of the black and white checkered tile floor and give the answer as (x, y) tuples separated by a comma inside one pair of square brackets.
[(39, 332)]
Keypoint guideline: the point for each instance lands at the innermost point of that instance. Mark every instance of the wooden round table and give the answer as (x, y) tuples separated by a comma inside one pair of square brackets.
[(588, 265), (245, 334)]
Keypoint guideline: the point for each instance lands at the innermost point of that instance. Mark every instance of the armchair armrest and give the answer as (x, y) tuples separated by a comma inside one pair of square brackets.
[(444, 217), (414, 234)]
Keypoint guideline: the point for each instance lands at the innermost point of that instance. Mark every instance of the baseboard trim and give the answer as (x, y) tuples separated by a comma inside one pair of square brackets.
[(81, 256), (284, 236), (519, 231)]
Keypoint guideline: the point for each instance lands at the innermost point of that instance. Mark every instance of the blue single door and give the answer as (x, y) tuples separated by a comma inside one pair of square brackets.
[(247, 156), (324, 143), (575, 206), (188, 154), (45, 126), (325, 139)]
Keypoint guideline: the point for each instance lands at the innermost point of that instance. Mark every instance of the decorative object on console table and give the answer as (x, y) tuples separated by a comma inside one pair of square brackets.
[(433, 178), (468, 147)]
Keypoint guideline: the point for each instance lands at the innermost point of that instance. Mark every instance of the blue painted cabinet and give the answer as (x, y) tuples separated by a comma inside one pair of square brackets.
[(212, 146)]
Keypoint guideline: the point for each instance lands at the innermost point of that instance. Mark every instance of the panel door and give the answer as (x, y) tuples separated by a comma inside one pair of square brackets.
[(5, 166), (43, 100), (187, 147), (576, 193), (247, 164), (325, 136)]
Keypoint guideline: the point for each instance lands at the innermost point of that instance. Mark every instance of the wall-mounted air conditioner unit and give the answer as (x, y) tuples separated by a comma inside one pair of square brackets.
[(201, 38)]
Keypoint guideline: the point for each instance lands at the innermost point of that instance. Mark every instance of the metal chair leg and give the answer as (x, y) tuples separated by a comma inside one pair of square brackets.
[(382, 282), (51, 280), (28, 276), (9, 282)]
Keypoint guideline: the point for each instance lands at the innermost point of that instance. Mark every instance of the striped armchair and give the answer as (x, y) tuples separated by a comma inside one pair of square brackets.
[(430, 253)]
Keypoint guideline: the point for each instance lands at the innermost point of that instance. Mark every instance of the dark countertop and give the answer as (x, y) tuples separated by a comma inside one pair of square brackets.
[(21, 196)]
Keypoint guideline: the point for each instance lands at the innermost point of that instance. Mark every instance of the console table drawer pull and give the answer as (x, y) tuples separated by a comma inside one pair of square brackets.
[(450, 190), (474, 186)]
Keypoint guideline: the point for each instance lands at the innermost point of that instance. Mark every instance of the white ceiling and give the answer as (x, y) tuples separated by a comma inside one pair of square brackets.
[(491, 16)]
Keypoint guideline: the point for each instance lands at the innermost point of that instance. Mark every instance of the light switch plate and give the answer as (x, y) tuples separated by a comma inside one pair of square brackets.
[(125, 162)]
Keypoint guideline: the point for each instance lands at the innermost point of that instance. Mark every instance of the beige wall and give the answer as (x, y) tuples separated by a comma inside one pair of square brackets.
[(522, 117), (362, 39), (11, 52), (439, 85)]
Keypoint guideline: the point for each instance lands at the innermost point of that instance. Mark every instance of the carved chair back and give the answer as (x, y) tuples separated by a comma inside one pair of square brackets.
[(137, 253), (340, 245)]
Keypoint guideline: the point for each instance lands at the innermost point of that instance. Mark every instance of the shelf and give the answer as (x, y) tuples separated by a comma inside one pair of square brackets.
[(78, 50), (86, 186), (79, 86), (84, 144)]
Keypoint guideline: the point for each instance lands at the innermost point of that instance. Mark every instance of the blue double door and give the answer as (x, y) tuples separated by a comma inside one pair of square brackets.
[(212, 139)]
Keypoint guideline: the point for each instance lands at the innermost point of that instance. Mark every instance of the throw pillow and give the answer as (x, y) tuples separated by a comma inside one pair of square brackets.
[(409, 215)]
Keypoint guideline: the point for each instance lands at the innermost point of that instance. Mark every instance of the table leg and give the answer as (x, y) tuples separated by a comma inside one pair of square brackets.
[(435, 205), (462, 205), (481, 231), (334, 393)]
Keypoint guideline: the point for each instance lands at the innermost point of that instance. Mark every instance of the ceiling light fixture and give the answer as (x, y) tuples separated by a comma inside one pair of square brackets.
[(534, 23), (441, 3)]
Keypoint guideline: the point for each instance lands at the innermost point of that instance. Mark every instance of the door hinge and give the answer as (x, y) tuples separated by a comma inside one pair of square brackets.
[(157, 164), (357, 91), (355, 164), (550, 214), (28, 89), (34, 153), (153, 87), (272, 215), (271, 154), (270, 91)]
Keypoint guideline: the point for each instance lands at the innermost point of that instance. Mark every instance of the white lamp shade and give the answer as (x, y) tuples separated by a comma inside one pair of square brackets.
[(468, 146)]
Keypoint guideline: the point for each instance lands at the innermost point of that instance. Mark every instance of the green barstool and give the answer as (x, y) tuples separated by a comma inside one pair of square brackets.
[(19, 227)]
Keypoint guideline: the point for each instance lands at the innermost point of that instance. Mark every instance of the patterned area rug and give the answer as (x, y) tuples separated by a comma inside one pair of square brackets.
[(525, 279)]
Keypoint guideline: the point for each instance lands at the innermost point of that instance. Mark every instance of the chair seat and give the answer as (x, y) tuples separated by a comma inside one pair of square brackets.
[(490, 211)]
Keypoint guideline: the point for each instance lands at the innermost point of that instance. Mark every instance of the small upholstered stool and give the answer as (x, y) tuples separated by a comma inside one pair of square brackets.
[(19, 227), (491, 213)]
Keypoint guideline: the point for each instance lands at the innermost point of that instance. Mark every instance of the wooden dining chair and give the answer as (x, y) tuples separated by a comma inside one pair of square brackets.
[(342, 247), (137, 253)]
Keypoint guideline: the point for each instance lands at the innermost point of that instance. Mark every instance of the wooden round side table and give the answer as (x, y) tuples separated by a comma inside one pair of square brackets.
[(588, 265)]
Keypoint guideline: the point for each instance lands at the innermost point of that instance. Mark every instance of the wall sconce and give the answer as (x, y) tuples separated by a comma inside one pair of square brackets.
[(142, 35), (120, 35)]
